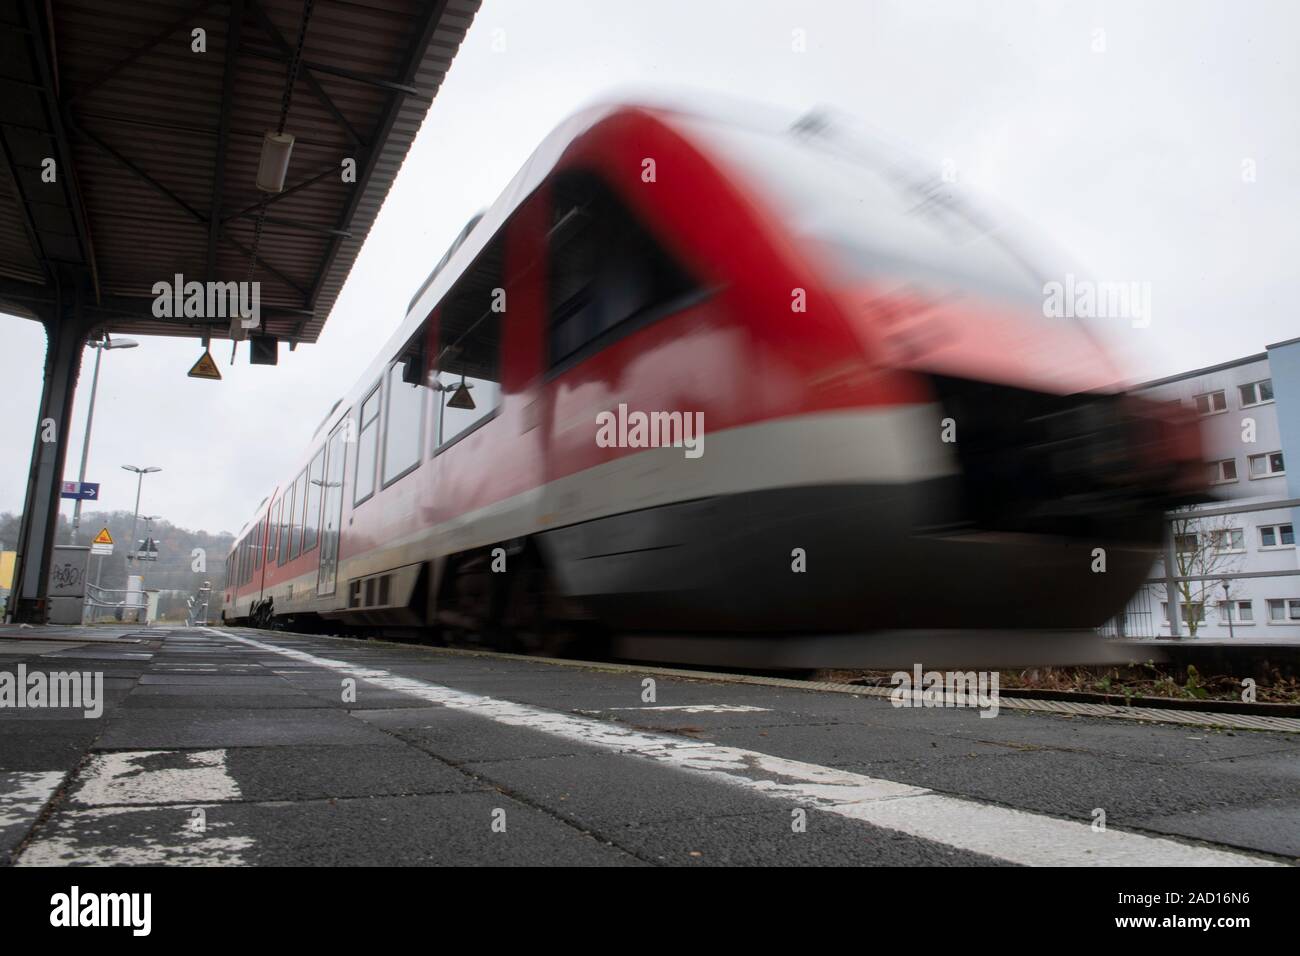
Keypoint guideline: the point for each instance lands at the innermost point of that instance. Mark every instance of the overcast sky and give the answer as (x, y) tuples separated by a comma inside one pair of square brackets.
[(1129, 158)]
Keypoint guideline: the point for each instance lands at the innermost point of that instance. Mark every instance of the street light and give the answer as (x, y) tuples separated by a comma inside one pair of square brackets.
[(99, 347), (140, 481), (1228, 604)]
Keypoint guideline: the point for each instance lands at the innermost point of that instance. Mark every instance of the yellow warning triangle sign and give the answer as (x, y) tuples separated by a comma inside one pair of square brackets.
[(205, 367), (103, 537)]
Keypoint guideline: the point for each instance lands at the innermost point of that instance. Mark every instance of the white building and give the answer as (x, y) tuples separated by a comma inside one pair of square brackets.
[(1250, 416)]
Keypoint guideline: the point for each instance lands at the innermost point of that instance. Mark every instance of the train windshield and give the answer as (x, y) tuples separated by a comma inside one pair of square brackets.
[(879, 219)]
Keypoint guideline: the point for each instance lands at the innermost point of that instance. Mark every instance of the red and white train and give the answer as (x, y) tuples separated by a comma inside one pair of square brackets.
[(893, 435)]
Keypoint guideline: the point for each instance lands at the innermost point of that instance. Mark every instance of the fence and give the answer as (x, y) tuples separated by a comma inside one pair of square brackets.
[(1142, 618)]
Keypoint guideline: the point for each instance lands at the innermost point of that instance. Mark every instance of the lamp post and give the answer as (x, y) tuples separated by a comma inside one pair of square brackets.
[(1228, 604), (99, 347), (139, 482)]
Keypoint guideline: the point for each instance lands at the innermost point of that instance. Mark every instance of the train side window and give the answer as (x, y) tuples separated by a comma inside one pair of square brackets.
[(311, 520), (605, 270), (273, 534), (257, 545), (367, 446), (295, 518), (404, 426), (285, 519), (467, 376)]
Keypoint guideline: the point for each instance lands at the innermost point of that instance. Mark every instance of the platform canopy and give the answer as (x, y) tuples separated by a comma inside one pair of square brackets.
[(132, 142), (130, 145)]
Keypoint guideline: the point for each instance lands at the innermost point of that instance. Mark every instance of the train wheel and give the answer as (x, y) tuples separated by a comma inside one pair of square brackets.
[(532, 619)]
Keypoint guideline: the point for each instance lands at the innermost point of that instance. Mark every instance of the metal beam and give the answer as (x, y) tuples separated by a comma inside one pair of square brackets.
[(141, 174), (100, 79), (17, 289), (295, 224), (284, 193), (29, 223), (232, 241), (66, 329), (235, 22), (197, 216), (43, 47), (123, 120), (365, 80), (414, 54), (1244, 508)]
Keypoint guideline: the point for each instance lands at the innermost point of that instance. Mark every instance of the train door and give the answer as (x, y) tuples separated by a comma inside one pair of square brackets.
[(270, 525), (331, 521)]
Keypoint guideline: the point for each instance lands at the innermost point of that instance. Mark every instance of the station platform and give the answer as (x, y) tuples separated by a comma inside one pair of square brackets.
[(231, 746)]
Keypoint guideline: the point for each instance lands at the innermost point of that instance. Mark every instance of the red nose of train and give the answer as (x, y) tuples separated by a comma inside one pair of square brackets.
[(1012, 380)]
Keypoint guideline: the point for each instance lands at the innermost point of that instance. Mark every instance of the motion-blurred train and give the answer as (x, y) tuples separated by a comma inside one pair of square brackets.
[(693, 375)]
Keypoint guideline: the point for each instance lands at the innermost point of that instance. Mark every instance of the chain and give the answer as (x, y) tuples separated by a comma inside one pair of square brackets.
[(285, 100), (294, 64)]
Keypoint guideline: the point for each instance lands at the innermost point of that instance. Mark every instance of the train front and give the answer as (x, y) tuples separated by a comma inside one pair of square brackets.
[(1003, 479)]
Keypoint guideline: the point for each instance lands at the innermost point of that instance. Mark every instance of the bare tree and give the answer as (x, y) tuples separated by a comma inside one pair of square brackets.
[(1203, 547)]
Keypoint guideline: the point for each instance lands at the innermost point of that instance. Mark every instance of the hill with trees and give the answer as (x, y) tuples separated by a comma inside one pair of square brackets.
[(185, 558)]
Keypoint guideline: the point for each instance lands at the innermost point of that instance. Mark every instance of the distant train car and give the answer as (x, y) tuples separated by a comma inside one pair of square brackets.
[(690, 375)]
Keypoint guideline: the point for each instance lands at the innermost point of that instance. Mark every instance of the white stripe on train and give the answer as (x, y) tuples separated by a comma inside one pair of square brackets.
[(883, 445)]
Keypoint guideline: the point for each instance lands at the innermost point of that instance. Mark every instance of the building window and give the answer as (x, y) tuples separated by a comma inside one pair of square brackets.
[(404, 426), (1186, 543), (1276, 536), (606, 271), (1211, 402), (1197, 609), (1228, 539), (1256, 393), (1266, 465), (311, 520), (367, 446), (1283, 611), (1224, 471), (1236, 612)]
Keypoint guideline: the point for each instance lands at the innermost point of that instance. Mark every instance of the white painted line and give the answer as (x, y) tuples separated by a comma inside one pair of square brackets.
[(154, 796), (154, 836), (24, 793), (704, 708), (1016, 836), (156, 776)]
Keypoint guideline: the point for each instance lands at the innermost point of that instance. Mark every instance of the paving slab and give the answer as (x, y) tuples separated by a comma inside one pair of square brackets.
[(216, 751)]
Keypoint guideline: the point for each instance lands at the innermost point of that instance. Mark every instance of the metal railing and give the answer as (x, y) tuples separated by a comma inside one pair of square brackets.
[(198, 606), (1138, 619), (97, 600)]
